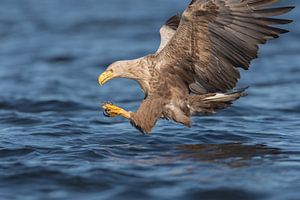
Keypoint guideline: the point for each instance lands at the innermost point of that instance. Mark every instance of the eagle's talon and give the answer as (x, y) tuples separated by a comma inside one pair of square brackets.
[(111, 110), (105, 114)]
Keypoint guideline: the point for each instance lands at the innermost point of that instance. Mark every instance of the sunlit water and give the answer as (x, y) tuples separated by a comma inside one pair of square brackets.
[(56, 144)]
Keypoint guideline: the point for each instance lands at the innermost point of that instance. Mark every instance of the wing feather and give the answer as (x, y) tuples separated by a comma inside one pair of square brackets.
[(217, 36), (168, 30)]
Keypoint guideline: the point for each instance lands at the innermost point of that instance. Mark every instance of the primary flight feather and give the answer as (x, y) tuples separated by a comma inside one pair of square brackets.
[(197, 61)]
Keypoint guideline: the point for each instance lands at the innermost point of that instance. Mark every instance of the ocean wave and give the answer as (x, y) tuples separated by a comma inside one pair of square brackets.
[(32, 106)]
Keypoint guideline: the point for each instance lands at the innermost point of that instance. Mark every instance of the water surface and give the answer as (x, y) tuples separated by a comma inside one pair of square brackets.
[(56, 144)]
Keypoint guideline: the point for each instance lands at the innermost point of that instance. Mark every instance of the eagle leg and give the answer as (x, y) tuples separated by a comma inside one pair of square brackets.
[(111, 110)]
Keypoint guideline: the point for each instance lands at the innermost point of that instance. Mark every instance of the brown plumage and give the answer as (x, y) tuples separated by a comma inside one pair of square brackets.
[(198, 60)]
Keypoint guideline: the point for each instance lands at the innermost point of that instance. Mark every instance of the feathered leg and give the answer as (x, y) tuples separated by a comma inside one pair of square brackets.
[(143, 119)]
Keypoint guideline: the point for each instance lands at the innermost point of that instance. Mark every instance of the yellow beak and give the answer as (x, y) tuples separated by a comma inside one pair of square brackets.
[(105, 76)]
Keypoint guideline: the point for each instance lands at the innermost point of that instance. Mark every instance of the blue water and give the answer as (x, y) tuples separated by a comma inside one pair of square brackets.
[(56, 144)]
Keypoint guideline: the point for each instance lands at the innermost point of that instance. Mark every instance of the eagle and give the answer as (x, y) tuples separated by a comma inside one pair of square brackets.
[(196, 67)]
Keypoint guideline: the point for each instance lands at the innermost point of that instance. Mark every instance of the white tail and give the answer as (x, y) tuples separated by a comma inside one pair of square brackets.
[(226, 97)]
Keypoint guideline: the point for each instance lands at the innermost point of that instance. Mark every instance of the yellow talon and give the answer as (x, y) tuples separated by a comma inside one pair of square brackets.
[(112, 110)]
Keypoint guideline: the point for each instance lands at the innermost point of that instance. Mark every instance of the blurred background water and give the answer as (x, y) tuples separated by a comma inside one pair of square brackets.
[(56, 144)]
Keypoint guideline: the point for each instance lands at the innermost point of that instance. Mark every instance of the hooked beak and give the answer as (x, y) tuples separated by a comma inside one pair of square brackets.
[(105, 76)]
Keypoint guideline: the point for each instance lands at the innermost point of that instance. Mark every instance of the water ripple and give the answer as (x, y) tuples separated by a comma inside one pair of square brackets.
[(56, 144)]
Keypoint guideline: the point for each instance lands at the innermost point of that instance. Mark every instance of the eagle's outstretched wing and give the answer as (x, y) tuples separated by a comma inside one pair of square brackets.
[(215, 37)]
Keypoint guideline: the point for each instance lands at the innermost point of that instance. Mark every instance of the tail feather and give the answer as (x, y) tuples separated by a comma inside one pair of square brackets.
[(210, 103), (227, 97)]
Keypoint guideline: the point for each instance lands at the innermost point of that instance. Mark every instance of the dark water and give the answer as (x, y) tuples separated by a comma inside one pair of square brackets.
[(56, 144)]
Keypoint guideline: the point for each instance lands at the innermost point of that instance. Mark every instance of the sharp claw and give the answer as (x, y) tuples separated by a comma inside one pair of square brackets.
[(106, 114), (106, 103)]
